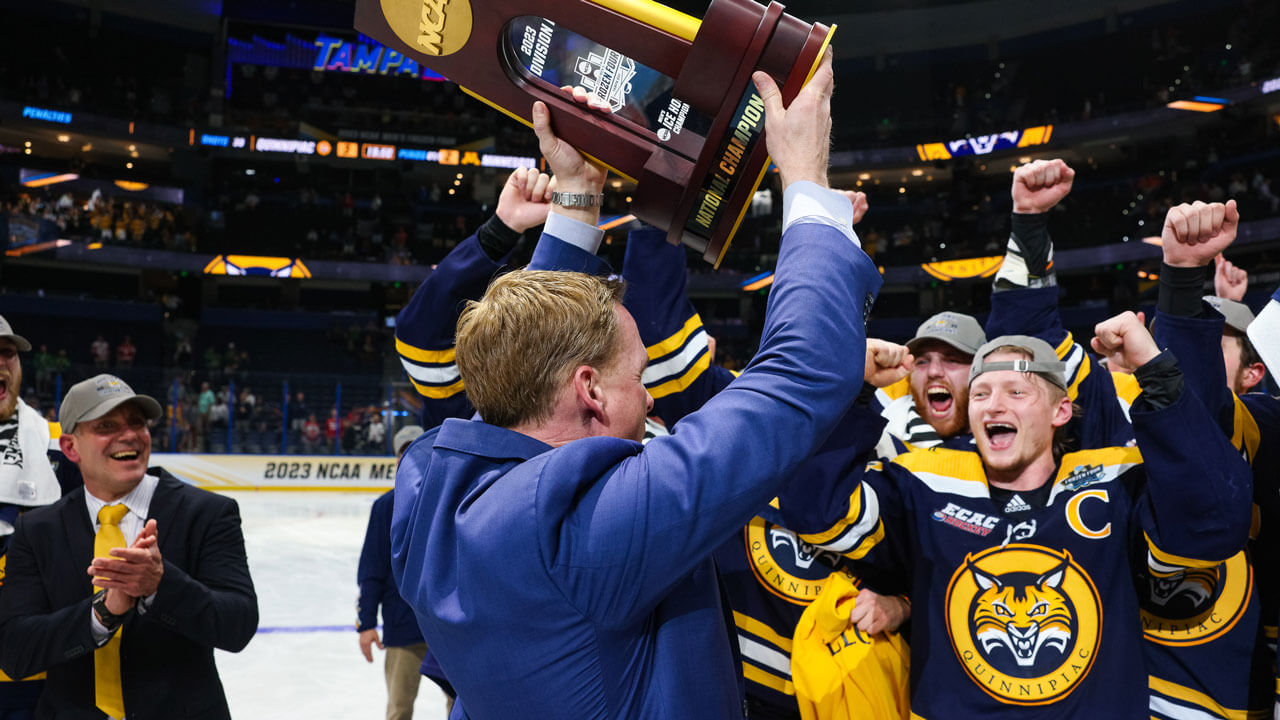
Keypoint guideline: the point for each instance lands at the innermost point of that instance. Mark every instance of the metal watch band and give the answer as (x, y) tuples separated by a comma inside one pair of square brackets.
[(577, 199)]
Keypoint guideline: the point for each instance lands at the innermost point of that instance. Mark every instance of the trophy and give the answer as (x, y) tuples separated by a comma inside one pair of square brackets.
[(687, 125)]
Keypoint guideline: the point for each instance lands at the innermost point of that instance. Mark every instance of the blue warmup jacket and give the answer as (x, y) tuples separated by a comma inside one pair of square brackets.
[(399, 626), (577, 581)]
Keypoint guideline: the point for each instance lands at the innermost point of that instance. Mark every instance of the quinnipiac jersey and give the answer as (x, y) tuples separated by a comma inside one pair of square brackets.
[(1012, 601), (769, 574), (1211, 634)]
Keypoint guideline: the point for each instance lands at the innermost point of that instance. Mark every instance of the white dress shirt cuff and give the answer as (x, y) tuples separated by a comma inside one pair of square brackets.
[(97, 629), (807, 202), (575, 232)]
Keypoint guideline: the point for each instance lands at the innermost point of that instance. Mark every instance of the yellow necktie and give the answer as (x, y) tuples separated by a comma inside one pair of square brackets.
[(106, 660)]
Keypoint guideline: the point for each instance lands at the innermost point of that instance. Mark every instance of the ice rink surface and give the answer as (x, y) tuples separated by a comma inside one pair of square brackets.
[(305, 661)]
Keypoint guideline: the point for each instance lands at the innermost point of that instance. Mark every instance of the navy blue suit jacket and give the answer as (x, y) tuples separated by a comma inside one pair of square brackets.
[(576, 582)]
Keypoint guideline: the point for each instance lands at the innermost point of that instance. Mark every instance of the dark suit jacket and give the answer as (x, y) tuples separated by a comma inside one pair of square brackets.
[(205, 600)]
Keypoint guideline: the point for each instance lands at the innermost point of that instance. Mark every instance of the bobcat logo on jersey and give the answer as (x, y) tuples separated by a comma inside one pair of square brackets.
[(790, 567), (1025, 622), (1196, 605)]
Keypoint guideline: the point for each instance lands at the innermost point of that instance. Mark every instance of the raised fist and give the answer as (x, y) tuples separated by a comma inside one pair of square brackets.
[(1229, 281), (886, 364), (525, 199), (1039, 185), (1124, 341), (859, 200), (1194, 234)]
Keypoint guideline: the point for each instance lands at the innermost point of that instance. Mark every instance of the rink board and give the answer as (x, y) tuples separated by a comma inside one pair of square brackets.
[(281, 472)]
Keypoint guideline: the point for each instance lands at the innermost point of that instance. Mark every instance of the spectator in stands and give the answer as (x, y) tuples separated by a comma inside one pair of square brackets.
[(100, 350), (204, 407), (332, 427), (311, 434), (61, 363), (213, 361), (377, 433), (183, 354), (125, 353), (42, 363), (298, 411)]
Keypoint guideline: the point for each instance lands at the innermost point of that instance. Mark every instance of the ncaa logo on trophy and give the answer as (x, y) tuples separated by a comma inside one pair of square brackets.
[(687, 125)]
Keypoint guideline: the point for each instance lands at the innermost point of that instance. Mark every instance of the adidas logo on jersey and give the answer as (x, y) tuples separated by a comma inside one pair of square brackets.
[(1016, 505)]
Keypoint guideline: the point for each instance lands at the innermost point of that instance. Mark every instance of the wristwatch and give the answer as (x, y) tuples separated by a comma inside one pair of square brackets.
[(574, 200), (110, 620)]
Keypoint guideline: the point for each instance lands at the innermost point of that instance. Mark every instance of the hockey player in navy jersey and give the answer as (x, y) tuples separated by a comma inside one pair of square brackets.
[(1208, 629), (1021, 563)]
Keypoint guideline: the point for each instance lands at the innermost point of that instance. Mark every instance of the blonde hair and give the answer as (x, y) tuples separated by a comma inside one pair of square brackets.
[(519, 344)]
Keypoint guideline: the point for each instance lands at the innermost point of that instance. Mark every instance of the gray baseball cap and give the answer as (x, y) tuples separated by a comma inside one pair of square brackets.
[(6, 332), (404, 436), (1045, 362), (91, 399), (958, 330), (1238, 315)]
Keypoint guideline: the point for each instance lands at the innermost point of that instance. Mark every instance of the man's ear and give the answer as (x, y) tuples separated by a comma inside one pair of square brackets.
[(1062, 413), (1251, 375), (586, 388), (67, 443)]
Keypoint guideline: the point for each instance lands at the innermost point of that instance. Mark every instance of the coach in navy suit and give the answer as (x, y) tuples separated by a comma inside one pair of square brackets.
[(560, 569), (177, 587)]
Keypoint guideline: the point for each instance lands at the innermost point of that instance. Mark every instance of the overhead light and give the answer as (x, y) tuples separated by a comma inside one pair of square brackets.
[(1024, 160), (459, 176), (129, 165), (64, 138), (451, 191), (617, 184), (864, 176), (27, 143), (133, 154), (27, 151), (86, 147), (917, 172), (133, 148)]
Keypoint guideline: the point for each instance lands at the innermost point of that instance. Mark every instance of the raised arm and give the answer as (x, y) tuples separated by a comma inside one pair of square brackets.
[(1195, 509), (425, 327), (659, 513), (1024, 301)]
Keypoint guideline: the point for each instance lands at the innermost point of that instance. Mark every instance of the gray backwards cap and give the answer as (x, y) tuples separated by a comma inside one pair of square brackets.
[(91, 399), (6, 332), (1045, 362), (960, 331), (1238, 315), (404, 436)]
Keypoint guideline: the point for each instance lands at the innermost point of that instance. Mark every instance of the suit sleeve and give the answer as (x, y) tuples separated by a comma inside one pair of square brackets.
[(34, 636), (1196, 508), (212, 603), (374, 570), (681, 375), (653, 517)]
